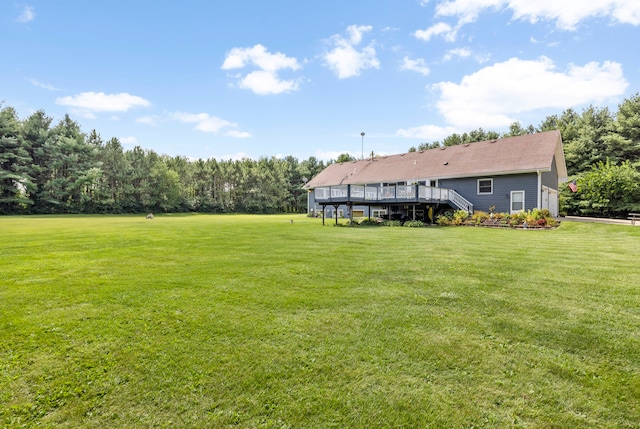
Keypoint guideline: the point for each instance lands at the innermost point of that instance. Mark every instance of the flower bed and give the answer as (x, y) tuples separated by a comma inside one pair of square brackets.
[(532, 219)]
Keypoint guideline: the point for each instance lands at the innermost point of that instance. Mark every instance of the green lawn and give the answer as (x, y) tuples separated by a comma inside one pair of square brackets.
[(255, 322)]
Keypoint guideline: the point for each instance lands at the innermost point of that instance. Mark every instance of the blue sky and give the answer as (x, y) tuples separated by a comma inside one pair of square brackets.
[(250, 78)]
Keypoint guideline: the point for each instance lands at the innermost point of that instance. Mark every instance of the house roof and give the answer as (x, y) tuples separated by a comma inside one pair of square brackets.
[(509, 155)]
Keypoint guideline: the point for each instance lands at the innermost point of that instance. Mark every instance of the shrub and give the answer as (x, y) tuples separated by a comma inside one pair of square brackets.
[(500, 216), (534, 218), (545, 213), (459, 216), (517, 218), (392, 223), (478, 217), (552, 222), (414, 224), (531, 217), (368, 222), (443, 220)]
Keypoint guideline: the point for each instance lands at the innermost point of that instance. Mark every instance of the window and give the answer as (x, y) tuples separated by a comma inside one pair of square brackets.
[(485, 186), (517, 201)]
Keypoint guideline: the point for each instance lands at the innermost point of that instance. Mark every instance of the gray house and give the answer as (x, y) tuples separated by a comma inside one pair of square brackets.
[(510, 174)]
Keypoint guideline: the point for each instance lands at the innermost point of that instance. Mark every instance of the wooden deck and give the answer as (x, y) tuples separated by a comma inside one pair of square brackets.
[(382, 195)]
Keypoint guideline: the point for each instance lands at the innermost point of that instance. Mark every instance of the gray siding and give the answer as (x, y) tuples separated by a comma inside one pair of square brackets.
[(550, 178), (502, 187)]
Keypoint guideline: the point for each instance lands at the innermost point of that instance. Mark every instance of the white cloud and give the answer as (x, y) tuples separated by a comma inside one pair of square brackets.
[(458, 52), (467, 10), (355, 33), (260, 57), (426, 132), (570, 13), (42, 85), (440, 29), (492, 96), (345, 59), (567, 14), (101, 102), (418, 66), (265, 80), (209, 124), (28, 14), (204, 122)]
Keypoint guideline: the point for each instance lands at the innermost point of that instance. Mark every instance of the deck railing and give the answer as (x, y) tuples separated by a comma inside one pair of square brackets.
[(460, 201), (357, 192), (390, 194)]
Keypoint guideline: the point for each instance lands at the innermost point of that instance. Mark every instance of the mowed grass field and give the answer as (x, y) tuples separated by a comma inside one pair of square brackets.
[(209, 321)]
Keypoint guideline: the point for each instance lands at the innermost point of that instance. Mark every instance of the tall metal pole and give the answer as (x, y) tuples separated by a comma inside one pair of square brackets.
[(362, 154)]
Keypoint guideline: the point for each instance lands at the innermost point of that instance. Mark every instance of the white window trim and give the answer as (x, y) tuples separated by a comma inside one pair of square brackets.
[(524, 199), (478, 186)]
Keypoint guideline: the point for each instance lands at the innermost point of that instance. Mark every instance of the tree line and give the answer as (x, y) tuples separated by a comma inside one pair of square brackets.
[(50, 168), (47, 168)]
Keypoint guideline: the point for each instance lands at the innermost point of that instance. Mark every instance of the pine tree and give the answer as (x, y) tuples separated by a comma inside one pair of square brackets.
[(14, 160)]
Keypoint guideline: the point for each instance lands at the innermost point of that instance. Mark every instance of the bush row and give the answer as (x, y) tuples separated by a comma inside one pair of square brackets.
[(381, 222)]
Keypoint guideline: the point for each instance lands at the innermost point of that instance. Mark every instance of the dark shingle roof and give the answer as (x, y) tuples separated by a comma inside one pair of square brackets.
[(527, 153)]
